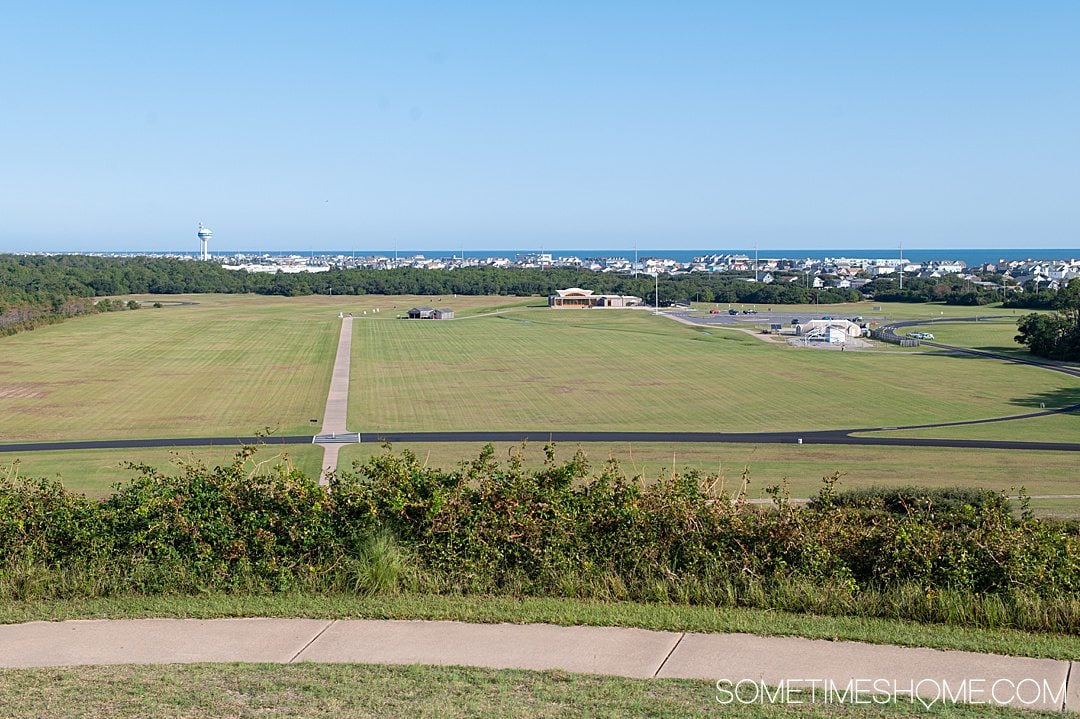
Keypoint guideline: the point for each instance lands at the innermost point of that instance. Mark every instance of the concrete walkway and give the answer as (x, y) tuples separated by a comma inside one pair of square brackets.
[(930, 674), (337, 400)]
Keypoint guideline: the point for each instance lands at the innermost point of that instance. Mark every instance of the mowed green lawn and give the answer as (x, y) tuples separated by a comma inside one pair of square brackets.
[(96, 472), (800, 466), (628, 370), (225, 367), (990, 336)]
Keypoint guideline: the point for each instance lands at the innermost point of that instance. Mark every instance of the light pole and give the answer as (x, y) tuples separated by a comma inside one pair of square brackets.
[(901, 266)]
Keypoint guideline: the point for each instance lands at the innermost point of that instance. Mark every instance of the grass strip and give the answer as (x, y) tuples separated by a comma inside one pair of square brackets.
[(322, 690), (566, 612)]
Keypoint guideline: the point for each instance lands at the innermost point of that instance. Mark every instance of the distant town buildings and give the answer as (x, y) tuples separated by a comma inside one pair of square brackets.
[(832, 272)]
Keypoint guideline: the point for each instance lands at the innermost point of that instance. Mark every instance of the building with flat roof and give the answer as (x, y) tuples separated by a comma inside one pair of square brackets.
[(577, 298)]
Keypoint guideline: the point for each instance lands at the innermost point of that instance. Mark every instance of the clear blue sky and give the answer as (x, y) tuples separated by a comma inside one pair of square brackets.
[(502, 125)]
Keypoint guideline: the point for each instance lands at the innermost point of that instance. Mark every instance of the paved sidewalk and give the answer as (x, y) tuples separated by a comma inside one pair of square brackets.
[(337, 400), (614, 651)]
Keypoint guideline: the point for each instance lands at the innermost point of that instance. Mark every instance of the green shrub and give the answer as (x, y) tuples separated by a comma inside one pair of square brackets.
[(395, 524), (225, 524)]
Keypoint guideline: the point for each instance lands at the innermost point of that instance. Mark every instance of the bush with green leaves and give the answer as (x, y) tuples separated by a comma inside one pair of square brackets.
[(563, 529)]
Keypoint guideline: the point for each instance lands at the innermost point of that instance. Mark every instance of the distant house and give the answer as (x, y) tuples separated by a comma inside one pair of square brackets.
[(431, 313), (575, 297)]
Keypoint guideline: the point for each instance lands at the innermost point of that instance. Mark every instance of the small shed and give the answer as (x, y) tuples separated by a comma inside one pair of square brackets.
[(835, 335), (443, 313), (421, 313)]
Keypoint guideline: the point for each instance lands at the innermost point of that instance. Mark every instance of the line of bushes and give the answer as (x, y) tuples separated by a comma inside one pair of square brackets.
[(394, 524), (18, 317)]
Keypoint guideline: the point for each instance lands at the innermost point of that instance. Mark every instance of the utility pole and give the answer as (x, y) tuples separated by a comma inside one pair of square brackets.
[(756, 274), (901, 266), (657, 277)]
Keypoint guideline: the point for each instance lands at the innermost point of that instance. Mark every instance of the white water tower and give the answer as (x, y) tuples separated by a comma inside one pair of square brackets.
[(204, 234)]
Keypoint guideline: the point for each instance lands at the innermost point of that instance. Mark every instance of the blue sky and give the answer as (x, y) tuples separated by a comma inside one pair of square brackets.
[(358, 125)]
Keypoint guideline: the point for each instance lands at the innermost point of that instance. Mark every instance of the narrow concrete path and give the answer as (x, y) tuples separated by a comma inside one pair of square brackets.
[(337, 400), (929, 674)]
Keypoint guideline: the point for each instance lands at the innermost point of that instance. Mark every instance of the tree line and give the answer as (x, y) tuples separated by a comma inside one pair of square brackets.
[(1054, 335), (949, 289), (45, 279)]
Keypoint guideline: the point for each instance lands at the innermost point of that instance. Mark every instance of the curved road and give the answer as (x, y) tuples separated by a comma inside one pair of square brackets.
[(890, 329)]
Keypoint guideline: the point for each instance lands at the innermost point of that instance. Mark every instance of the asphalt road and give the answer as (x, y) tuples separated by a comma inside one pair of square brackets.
[(839, 436)]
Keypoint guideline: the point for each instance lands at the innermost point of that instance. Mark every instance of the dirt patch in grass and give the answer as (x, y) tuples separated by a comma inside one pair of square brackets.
[(23, 390)]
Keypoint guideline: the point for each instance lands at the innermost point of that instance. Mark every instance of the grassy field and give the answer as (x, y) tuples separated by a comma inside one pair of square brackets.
[(223, 367), (802, 466), (990, 336), (233, 364), (349, 690), (94, 472), (607, 370)]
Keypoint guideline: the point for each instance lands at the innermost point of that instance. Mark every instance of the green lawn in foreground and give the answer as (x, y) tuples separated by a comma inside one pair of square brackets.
[(628, 370), (94, 472), (802, 465), (333, 691), (548, 610)]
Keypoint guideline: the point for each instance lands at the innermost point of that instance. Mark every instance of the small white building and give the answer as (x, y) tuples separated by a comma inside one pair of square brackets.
[(834, 331)]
